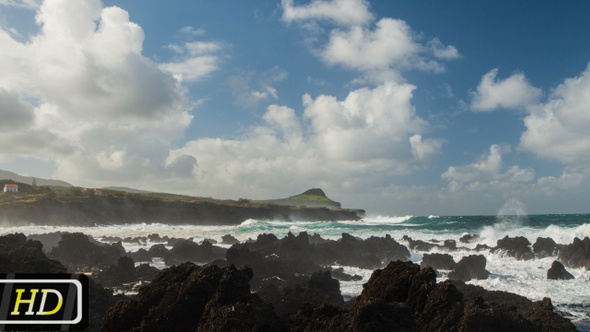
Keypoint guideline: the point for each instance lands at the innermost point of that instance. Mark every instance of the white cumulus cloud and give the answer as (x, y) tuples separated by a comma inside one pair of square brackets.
[(558, 129), (337, 144), (342, 12), (80, 92), (488, 172), (514, 92)]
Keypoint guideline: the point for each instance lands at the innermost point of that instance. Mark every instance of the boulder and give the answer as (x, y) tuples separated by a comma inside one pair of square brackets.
[(470, 267), (125, 272), (340, 275), (517, 247), (391, 283), (545, 247), (80, 252), (19, 255), (438, 261), (576, 254), (116, 275), (469, 238), (229, 239), (141, 255), (189, 251), (351, 251), (419, 245), (558, 272)]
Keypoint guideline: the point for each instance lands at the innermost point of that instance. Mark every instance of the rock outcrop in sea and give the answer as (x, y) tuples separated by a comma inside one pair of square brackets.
[(470, 267), (558, 272), (576, 254), (517, 247)]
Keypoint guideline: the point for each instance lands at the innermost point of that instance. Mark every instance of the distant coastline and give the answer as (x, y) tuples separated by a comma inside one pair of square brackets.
[(87, 207)]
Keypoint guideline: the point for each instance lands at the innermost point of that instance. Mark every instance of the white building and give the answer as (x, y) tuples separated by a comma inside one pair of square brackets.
[(11, 188)]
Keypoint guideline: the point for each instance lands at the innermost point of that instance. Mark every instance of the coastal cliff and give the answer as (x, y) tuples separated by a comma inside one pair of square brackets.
[(85, 208)]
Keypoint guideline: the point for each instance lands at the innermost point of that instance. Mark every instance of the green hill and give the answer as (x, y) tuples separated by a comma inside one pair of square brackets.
[(314, 197)]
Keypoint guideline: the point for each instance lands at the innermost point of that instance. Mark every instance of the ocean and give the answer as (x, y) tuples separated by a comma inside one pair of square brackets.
[(526, 278)]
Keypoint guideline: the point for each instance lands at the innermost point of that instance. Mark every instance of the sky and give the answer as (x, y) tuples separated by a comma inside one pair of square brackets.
[(426, 107)]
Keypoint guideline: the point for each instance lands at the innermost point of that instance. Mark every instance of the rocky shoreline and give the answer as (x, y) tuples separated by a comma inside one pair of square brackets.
[(288, 284)]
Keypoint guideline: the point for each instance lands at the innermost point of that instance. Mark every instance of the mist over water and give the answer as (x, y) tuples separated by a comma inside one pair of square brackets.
[(527, 278)]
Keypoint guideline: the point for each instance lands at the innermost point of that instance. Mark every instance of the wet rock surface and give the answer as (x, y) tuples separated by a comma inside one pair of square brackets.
[(576, 254), (470, 267), (545, 247), (438, 261), (558, 272), (79, 252), (125, 272), (517, 247)]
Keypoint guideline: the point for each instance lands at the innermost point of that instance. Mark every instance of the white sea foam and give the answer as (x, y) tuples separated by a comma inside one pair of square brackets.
[(380, 220)]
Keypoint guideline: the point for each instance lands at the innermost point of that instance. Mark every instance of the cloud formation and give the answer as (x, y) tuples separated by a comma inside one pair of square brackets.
[(195, 60), (378, 52), (341, 12), (514, 92), (558, 129), (81, 92), (487, 173), (337, 144)]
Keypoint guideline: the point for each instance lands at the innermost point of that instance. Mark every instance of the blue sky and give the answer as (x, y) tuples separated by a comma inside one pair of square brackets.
[(398, 107)]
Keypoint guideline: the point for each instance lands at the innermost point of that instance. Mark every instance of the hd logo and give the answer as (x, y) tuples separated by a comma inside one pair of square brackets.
[(51, 302)]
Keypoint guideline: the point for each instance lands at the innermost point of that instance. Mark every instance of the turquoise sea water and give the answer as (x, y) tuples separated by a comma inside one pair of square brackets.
[(527, 278)]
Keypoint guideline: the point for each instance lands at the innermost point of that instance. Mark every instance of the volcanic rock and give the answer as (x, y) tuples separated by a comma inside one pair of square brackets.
[(19, 255), (545, 247), (125, 272), (287, 297), (517, 247), (576, 254), (188, 298), (77, 251), (419, 245), (189, 251), (340, 275), (470, 267), (140, 255), (438, 261), (49, 240), (558, 272), (469, 238), (322, 288), (368, 254), (546, 319), (229, 239)]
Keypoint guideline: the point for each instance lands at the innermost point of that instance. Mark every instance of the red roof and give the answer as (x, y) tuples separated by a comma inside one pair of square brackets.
[(12, 186)]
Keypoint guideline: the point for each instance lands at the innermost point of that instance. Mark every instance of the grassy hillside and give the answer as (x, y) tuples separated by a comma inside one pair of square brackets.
[(311, 198)]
